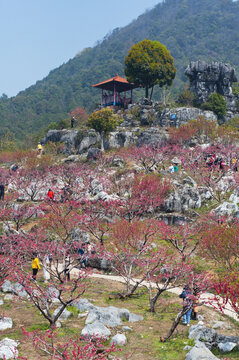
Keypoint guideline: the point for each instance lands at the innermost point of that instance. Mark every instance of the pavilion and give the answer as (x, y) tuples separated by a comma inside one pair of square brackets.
[(112, 89)]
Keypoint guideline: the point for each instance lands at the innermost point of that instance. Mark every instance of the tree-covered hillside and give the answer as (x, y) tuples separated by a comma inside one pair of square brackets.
[(190, 29)]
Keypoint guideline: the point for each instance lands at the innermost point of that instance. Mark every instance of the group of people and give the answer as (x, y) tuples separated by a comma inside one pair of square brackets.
[(190, 304), (83, 257), (173, 168), (213, 160)]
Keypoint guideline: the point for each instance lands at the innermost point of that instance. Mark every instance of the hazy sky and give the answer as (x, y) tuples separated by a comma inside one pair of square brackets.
[(39, 35)]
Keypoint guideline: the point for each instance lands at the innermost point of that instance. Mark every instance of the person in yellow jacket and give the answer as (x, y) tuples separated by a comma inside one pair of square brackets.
[(39, 148), (35, 266)]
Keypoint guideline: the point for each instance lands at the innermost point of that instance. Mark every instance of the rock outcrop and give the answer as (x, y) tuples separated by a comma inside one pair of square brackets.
[(206, 79)]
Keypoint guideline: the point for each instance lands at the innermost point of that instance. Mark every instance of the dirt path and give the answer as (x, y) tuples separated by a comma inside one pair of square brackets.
[(205, 297)]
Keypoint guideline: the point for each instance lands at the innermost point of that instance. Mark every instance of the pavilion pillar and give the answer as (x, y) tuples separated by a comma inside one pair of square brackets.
[(101, 97), (114, 95)]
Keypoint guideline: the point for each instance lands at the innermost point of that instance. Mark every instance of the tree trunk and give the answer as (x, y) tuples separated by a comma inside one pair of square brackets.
[(102, 138), (147, 92), (152, 90), (174, 325), (154, 300)]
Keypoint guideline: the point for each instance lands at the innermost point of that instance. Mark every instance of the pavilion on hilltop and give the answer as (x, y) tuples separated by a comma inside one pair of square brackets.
[(114, 92)]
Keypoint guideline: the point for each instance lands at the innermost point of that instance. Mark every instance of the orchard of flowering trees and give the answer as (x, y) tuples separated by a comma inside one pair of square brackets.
[(121, 213)]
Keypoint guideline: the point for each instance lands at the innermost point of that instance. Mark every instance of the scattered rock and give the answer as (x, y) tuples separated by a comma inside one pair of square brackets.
[(65, 314), (82, 305), (226, 209), (8, 349), (93, 154), (5, 323), (200, 352), (97, 329), (135, 318), (1, 301), (8, 297), (220, 325), (226, 347), (110, 316), (118, 339), (82, 315), (126, 328)]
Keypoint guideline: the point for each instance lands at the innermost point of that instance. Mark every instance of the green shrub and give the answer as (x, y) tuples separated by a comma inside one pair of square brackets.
[(216, 103)]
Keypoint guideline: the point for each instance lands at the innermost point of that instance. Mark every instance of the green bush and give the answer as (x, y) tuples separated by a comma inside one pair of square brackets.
[(215, 103)]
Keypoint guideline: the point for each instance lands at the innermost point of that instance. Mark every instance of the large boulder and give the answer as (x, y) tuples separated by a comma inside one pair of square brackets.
[(200, 352), (152, 136), (82, 305), (118, 339), (14, 288), (117, 139), (68, 137), (183, 115), (110, 316), (65, 314), (88, 139), (183, 199), (96, 330), (226, 209), (227, 347), (8, 349)]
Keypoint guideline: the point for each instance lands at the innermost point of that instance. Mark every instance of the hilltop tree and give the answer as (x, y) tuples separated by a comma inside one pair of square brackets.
[(149, 63), (103, 121)]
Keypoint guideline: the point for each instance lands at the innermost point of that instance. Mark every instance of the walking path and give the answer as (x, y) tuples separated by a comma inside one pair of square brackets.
[(205, 297)]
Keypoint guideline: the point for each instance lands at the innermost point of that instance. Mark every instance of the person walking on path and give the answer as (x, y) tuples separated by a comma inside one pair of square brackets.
[(35, 266), (50, 195), (2, 191)]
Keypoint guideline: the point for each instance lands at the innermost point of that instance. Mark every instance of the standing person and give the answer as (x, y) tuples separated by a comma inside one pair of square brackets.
[(175, 168), (46, 263), (195, 303), (72, 122), (171, 169), (35, 266), (50, 195), (39, 148), (2, 191), (186, 295)]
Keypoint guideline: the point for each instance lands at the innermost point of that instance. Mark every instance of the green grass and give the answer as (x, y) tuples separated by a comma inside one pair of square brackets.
[(172, 349), (39, 327)]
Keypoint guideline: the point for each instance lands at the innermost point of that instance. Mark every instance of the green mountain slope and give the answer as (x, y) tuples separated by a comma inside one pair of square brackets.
[(191, 30)]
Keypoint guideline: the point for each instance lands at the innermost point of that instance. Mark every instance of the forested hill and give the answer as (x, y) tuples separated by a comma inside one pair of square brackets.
[(191, 30)]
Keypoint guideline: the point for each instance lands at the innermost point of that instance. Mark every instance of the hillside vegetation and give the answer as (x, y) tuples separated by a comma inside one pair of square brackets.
[(190, 29)]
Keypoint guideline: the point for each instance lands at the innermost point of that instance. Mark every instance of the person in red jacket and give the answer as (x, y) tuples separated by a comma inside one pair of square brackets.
[(50, 195)]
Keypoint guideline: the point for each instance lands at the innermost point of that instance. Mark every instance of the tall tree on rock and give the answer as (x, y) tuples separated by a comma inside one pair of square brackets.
[(149, 63), (103, 121)]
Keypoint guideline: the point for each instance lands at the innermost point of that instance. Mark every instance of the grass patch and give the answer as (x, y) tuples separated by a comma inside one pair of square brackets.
[(38, 327), (234, 354), (172, 349)]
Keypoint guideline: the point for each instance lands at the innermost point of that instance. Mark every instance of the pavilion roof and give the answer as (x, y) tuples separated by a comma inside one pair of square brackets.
[(118, 82)]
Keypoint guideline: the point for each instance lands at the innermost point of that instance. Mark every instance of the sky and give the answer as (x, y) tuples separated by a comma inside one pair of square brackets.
[(38, 36)]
